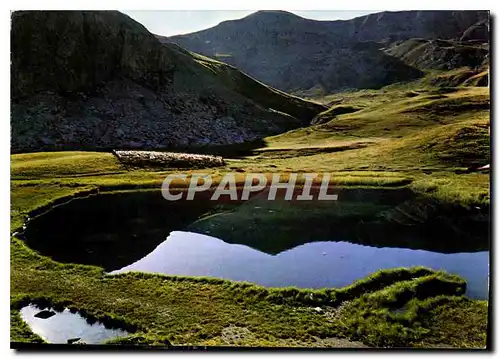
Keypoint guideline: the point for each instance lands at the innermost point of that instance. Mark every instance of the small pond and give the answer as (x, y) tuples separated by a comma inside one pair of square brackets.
[(61, 327), (309, 244)]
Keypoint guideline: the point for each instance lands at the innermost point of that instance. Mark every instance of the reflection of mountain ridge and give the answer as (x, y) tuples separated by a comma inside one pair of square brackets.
[(404, 234), (114, 230), (407, 222), (310, 265)]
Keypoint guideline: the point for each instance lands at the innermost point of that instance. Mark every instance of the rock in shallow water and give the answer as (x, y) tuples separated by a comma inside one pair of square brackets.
[(45, 314), (73, 340)]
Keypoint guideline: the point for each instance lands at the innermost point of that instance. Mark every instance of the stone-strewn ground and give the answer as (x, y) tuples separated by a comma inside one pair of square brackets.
[(167, 159)]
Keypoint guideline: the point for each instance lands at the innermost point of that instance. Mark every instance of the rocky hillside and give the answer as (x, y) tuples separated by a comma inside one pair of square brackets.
[(99, 80), (439, 54), (293, 53)]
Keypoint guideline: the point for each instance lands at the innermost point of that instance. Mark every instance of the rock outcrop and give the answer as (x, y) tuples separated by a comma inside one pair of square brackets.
[(479, 32), (439, 54)]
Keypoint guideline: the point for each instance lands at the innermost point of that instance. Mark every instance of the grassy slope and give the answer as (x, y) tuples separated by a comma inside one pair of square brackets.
[(206, 311), (424, 135), (261, 94)]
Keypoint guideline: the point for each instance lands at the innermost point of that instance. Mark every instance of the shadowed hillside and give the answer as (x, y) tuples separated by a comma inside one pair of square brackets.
[(96, 80)]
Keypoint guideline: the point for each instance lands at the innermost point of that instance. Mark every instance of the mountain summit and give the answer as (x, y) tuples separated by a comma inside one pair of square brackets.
[(294, 53)]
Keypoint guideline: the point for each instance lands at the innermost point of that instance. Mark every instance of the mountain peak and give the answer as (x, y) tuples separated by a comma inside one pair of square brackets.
[(275, 12), (273, 15)]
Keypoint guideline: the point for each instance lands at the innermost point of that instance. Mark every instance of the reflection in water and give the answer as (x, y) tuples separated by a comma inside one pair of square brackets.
[(311, 265), (274, 243), (131, 225), (62, 326)]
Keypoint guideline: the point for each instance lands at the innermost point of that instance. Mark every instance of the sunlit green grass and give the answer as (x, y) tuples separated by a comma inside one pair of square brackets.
[(58, 164), (418, 138)]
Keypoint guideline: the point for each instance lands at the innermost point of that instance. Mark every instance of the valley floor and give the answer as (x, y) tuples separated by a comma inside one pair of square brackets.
[(424, 140)]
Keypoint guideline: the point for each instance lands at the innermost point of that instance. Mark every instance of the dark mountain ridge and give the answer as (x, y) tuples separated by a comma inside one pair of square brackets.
[(294, 53)]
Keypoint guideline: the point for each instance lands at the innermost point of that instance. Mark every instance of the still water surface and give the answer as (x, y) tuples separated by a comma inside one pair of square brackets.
[(66, 325), (310, 265)]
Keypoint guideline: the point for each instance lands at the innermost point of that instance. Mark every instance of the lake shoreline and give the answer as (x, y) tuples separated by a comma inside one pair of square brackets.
[(23, 283)]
